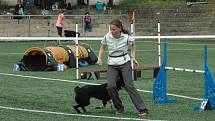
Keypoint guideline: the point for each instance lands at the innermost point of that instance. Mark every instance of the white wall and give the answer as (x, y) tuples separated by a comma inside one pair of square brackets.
[(93, 2), (73, 2), (10, 2)]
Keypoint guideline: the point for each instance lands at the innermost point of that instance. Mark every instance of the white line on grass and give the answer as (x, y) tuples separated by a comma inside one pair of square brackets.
[(62, 80), (175, 95), (11, 53), (42, 78), (78, 115)]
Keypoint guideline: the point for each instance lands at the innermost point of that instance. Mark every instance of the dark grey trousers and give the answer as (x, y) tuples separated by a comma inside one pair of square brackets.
[(113, 74)]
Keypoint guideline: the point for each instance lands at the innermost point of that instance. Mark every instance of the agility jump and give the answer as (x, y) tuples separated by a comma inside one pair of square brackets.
[(160, 84)]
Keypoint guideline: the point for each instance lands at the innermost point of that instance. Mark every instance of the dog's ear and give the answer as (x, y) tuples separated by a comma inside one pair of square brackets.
[(76, 89)]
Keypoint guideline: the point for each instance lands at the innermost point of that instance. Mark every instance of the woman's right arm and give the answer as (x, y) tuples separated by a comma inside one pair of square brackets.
[(101, 52)]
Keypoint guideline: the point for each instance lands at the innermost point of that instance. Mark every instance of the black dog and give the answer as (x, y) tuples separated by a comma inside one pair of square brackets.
[(83, 94)]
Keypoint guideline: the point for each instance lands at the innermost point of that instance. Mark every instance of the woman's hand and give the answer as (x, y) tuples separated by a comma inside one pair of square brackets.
[(135, 62), (99, 61)]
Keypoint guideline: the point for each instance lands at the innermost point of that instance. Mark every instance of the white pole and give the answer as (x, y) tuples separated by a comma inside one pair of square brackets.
[(132, 62), (76, 43), (184, 69), (159, 45), (132, 29), (20, 39), (133, 22)]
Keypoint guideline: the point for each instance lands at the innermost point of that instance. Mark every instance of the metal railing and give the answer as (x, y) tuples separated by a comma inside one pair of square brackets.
[(44, 25)]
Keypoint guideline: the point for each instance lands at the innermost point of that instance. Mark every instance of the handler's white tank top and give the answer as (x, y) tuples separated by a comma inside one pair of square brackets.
[(118, 48)]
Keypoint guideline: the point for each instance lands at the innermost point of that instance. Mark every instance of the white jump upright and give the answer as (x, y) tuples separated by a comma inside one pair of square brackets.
[(77, 54), (159, 45), (132, 62), (133, 35)]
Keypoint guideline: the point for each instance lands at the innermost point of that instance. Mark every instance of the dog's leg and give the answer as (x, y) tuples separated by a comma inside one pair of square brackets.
[(104, 102), (83, 109), (76, 108), (111, 104)]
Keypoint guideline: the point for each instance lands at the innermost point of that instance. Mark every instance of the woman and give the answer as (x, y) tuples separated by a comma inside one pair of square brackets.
[(59, 24), (117, 42), (19, 10), (87, 22)]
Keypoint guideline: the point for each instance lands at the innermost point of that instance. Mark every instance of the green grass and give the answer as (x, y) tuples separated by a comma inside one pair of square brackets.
[(58, 96)]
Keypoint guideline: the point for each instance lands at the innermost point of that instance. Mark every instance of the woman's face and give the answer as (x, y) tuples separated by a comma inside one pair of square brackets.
[(115, 31)]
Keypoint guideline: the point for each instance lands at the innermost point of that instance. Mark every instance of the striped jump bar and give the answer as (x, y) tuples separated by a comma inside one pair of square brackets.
[(185, 70)]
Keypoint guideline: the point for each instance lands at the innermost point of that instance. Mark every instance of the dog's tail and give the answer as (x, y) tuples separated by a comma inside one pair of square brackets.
[(76, 89)]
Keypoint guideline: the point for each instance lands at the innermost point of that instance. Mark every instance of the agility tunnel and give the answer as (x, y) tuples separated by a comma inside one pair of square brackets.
[(48, 58)]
